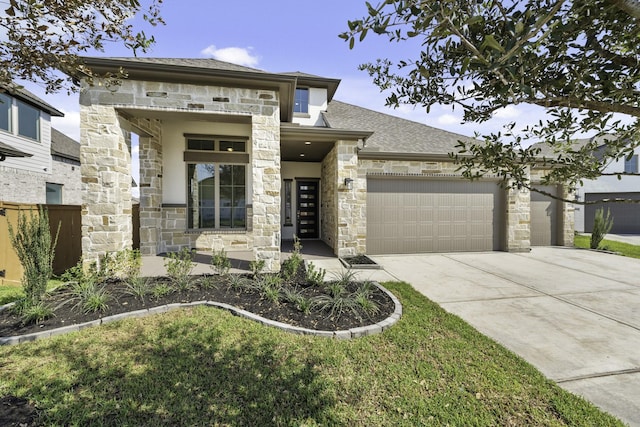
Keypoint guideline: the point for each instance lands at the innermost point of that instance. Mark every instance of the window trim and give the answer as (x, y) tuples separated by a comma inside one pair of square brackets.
[(59, 188), (631, 165), (10, 101), (295, 99), (38, 137)]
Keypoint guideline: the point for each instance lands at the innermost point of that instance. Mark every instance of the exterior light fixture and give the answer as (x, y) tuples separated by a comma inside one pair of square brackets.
[(307, 143), (348, 182)]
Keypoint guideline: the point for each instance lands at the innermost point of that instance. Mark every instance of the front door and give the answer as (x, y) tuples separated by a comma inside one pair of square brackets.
[(307, 209)]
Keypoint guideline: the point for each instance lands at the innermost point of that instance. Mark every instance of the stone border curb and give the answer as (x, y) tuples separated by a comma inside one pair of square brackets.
[(363, 331)]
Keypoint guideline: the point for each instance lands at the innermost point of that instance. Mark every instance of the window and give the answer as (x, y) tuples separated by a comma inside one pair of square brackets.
[(54, 194), (301, 101), (28, 121), (631, 165), (216, 182), (5, 112), (217, 195)]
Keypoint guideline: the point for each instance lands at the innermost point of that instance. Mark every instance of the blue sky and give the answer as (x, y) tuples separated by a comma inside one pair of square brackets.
[(279, 36)]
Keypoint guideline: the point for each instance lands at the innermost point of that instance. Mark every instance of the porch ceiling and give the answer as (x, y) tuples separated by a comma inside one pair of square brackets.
[(312, 144)]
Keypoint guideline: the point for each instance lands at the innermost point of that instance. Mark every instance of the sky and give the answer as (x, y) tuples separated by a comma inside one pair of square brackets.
[(281, 36)]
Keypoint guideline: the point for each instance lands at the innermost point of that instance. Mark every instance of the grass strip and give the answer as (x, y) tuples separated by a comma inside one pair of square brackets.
[(625, 249)]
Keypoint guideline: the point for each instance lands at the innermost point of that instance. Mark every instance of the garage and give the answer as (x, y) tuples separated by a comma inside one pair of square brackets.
[(545, 216), (626, 216), (415, 215)]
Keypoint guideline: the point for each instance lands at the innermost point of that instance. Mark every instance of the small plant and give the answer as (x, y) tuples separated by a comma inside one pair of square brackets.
[(179, 266), (337, 305), (315, 277), (220, 262), (362, 297), (269, 286), (139, 287), (238, 283), (345, 277), (601, 226), (300, 302), (161, 289), (271, 294), (335, 289), (291, 265), (256, 267), (73, 274), (88, 295), (208, 282), (96, 300), (35, 313), (35, 248)]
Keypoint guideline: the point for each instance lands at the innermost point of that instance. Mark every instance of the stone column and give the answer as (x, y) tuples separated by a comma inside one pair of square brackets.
[(150, 190), (518, 220), (266, 189), (106, 182), (351, 203), (568, 216)]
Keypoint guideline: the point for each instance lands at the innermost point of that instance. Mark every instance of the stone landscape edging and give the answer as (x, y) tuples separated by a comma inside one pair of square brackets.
[(362, 331)]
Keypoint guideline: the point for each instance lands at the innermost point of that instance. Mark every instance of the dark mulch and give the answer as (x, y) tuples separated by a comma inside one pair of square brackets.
[(121, 301), (16, 412), (358, 260)]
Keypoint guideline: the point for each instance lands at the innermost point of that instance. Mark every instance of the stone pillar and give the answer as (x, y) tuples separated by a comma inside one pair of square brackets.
[(568, 216), (106, 182), (150, 191), (351, 204), (266, 189), (518, 220)]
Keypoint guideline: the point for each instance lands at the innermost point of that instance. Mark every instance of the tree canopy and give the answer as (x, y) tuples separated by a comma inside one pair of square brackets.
[(579, 59), (39, 37)]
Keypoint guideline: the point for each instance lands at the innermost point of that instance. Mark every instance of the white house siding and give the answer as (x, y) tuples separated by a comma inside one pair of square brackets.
[(317, 104), (40, 161)]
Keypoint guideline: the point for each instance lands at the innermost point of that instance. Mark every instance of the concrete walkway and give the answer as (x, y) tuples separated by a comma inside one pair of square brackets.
[(574, 314)]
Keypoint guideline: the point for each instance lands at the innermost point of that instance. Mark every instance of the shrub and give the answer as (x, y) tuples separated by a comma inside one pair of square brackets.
[(315, 277), (291, 265), (601, 226), (179, 266), (220, 262), (256, 267), (139, 287), (161, 289), (35, 248)]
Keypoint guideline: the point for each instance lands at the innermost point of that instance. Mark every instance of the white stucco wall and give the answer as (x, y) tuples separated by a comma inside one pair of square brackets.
[(174, 183), (317, 104), (293, 170)]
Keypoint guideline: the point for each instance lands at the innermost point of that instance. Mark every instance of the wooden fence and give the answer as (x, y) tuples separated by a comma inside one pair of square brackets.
[(68, 249)]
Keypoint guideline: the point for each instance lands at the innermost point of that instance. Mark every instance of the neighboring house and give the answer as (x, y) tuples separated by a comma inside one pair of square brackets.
[(237, 158), (626, 216), (39, 164)]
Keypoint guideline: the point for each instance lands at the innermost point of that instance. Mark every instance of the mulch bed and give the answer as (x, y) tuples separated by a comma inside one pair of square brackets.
[(121, 301)]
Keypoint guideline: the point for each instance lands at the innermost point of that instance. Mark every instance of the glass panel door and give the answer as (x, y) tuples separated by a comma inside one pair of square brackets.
[(307, 209)]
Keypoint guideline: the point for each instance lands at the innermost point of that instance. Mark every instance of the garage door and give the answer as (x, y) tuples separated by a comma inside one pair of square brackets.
[(626, 216), (420, 215), (544, 217)]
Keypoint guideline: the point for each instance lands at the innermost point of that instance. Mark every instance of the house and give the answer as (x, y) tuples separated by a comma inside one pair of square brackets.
[(238, 158), (39, 164), (626, 216)]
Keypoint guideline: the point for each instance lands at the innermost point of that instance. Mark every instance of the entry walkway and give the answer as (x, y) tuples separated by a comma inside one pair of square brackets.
[(574, 314)]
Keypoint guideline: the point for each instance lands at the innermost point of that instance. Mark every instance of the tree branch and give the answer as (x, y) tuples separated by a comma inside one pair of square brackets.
[(573, 102)]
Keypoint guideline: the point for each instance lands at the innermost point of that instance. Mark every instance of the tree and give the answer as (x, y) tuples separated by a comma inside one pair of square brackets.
[(578, 59), (40, 37)]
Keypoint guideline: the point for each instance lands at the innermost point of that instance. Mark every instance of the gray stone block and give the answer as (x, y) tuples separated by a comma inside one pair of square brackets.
[(342, 335)]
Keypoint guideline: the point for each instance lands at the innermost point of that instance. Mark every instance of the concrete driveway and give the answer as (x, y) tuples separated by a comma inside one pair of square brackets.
[(574, 314)]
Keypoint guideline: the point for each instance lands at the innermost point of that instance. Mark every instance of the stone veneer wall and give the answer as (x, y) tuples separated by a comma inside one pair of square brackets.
[(106, 181), (164, 228), (518, 220), (343, 211)]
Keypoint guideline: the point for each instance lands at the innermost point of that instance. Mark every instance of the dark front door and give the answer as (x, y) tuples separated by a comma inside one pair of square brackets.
[(307, 209)]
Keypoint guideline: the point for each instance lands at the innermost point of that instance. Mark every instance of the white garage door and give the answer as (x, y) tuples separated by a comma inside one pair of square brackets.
[(407, 215), (544, 217), (626, 216)]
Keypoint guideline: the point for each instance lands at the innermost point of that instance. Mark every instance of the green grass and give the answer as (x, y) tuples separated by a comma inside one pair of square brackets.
[(626, 249), (204, 366), (10, 293)]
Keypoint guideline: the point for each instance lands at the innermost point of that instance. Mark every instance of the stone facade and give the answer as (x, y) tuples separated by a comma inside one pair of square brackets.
[(106, 182), (164, 226), (518, 220), (344, 222)]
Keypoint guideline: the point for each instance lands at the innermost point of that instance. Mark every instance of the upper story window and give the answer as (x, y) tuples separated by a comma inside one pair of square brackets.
[(631, 165), (28, 121), (301, 101), (5, 112)]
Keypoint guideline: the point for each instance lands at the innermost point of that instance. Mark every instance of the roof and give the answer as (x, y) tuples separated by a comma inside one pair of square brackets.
[(64, 146), (23, 94), (204, 63), (392, 134), (8, 151)]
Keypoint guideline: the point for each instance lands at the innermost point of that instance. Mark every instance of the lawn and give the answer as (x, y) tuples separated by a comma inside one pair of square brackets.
[(204, 366), (626, 249)]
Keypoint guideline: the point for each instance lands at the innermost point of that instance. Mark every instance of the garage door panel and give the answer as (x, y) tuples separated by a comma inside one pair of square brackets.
[(545, 218), (433, 215)]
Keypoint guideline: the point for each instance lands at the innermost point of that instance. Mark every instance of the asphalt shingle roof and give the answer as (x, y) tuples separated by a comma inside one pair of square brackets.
[(205, 63), (392, 134), (64, 146)]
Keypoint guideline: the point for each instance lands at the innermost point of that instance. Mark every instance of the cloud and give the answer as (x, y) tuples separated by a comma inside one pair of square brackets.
[(69, 124), (447, 119), (507, 113), (235, 55)]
